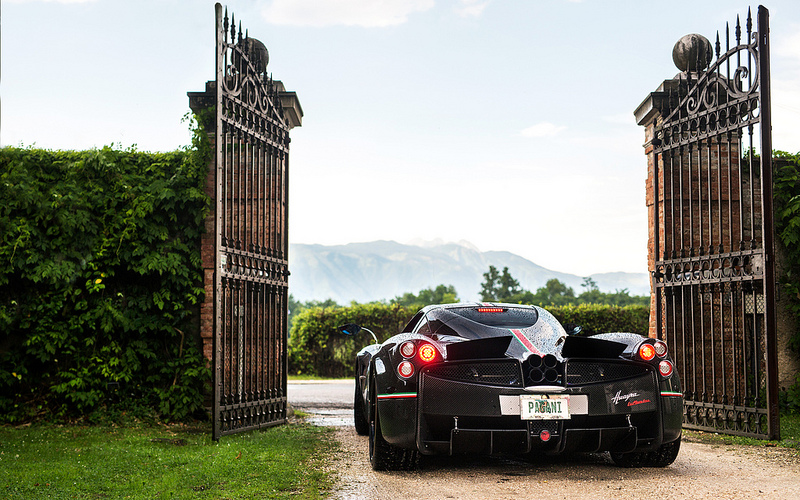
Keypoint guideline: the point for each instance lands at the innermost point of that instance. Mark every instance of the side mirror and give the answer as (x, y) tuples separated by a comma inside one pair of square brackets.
[(576, 330), (349, 329), (352, 329)]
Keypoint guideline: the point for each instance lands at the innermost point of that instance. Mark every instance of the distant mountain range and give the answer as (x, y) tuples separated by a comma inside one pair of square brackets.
[(377, 270)]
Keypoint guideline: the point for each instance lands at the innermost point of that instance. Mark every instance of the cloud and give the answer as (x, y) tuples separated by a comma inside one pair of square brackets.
[(471, 8), (785, 61), (620, 119), (366, 13), (543, 129), (788, 46), (50, 1)]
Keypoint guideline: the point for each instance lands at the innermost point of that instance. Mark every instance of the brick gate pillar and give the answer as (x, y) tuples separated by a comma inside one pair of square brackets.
[(202, 103), (649, 115)]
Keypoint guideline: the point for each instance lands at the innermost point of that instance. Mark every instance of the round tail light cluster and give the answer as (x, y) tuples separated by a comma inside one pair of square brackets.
[(407, 349), (647, 352), (422, 353), (405, 369), (427, 353), (657, 351)]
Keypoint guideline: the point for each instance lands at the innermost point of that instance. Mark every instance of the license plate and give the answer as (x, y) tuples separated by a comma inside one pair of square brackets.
[(544, 407)]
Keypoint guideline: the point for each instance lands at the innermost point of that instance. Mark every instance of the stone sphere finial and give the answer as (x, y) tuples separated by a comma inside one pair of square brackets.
[(692, 53), (257, 53)]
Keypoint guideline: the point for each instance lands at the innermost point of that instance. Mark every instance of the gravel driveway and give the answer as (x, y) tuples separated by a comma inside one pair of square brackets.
[(701, 470)]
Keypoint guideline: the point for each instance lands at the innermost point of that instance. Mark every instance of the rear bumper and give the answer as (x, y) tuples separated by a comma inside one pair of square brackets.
[(455, 416), (494, 441)]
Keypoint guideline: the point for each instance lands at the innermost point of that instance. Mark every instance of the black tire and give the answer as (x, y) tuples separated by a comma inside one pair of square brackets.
[(662, 457), (384, 456), (359, 419)]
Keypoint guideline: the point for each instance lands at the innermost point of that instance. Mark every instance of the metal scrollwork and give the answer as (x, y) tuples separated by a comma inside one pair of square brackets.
[(707, 269), (722, 98), (246, 82)]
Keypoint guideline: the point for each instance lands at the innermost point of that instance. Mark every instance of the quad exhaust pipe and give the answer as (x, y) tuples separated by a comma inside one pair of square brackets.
[(543, 369)]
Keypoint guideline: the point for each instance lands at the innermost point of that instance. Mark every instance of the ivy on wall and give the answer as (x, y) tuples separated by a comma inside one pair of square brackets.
[(99, 278), (786, 196)]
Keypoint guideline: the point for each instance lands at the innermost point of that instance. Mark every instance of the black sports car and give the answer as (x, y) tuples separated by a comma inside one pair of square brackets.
[(505, 378)]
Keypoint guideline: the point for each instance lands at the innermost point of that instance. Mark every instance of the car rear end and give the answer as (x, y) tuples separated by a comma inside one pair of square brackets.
[(550, 404)]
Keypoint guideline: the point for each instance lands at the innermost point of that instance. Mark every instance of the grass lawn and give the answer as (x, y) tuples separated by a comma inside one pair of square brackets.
[(51, 462)]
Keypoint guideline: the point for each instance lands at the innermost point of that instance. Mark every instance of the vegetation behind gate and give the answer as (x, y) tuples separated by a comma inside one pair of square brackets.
[(786, 191), (99, 274)]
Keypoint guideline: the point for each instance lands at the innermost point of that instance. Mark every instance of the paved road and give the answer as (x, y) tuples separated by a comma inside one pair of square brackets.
[(701, 470), (328, 402)]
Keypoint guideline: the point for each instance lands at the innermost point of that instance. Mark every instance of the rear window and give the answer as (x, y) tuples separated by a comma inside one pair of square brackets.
[(494, 317)]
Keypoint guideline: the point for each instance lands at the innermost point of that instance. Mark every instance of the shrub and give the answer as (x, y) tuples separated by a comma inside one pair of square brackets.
[(100, 274), (597, 318), (317, 348)]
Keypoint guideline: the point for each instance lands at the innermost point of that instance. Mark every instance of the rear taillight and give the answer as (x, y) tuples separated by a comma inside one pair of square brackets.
[(665, 368), (405, 369), (407, 349), (427, 353), (661, 348), (647, 352)]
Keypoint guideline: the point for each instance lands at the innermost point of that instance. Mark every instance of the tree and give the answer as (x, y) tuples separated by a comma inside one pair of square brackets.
[(623, 298), (489, 287), (555, 293), (498, 287), (591, 293), (502, 287), (442, 294), (509, 287)]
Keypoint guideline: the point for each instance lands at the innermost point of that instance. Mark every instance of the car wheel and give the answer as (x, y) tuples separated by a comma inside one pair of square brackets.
[(662, 457), (384, 456), (359, 419)]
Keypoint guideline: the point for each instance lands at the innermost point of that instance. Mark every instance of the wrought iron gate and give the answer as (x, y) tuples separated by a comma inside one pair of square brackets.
[(714, 272), (251, 269)]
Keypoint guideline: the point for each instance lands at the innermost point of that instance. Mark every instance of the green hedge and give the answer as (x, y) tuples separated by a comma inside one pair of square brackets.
[(99, 279), (317, 348), (597, 318)]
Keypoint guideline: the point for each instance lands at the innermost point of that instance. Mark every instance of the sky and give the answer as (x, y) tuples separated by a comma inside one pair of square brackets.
[(505, 123)]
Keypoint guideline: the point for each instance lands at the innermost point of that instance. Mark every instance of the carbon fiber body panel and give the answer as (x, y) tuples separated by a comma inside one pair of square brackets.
[(458, 411)]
